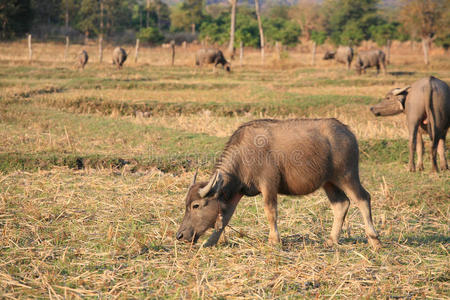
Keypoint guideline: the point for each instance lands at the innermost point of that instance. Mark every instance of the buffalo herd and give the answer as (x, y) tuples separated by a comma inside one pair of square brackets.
[(300, 156)]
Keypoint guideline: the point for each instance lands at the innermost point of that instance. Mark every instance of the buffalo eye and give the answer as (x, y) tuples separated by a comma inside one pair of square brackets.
[(195, 206)]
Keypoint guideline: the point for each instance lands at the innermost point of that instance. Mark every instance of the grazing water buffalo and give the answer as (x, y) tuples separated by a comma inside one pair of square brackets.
[(83, 59), (211, 56), (343, 55), (119, 57), (371, 58), (426, 104), (291, 157)]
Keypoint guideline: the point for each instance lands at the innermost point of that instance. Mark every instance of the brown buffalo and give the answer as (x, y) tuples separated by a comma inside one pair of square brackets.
[(83, 59), (119, 57), (343, 55), (368, 59), (211, 56), (426, 104), (291, 157)]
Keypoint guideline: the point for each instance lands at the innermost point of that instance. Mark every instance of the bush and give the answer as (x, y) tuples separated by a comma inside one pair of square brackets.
[(151, 35), (280, 30)]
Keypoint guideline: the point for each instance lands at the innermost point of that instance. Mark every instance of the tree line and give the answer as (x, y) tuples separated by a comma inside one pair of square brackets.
[(341, 22)]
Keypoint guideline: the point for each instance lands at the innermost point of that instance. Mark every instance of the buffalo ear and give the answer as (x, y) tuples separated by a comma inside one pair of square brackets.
[(214, 184)]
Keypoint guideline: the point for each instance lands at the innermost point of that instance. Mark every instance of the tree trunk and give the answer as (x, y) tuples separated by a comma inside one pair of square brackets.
[(426, 49), (86, 37), (261, 32), (313, 60), (193, 28), (148, 14), (100, 40), (232, 27), (278, 50), (67, 18)]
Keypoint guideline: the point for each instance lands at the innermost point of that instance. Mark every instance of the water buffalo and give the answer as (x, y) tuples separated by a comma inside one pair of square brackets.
[(291, 157), (119, 57), (211, 56), (83, 59), (343, 55), (371, 58), (426, 104)]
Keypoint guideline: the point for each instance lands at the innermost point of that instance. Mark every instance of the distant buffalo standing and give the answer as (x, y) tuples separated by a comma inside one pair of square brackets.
[(371, 58), (119, 57), (211, 56), (343, 55), (426, 104), (83, 58)]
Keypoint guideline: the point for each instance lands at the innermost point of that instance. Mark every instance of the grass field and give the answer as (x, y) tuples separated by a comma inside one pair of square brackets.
[(94, 167)]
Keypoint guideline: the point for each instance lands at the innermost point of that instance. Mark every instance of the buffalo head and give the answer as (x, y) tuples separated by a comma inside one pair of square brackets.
[(202, 208), (393, 103), (329, 55)]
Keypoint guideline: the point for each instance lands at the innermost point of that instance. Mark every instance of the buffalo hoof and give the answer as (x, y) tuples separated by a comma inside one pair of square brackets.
[(375, 243), (330, 243), (412, 168)]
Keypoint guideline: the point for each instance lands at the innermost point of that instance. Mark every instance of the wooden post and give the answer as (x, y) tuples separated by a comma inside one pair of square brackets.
[(184, 45), (30, 50), (313, 60), (241, 53), (66, 51), (278, 50), (136, 51), (100, 48), (172, 46)]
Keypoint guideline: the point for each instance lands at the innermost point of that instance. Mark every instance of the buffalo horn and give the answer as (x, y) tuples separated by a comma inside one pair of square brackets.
[(213, 183), (398, 91)]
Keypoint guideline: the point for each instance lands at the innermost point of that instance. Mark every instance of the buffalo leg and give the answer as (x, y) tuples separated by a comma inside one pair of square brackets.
[(434, 146), (340, 205), (361, 197), (214, 238), (419, 151), (441, 152), (270, 209), (378, 69), (412, 146)]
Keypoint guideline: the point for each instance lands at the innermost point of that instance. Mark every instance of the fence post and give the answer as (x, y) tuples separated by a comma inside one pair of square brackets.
[(172, 46), (100, 48), (30, 50), (136, 51), (241, 53), (66, 51), (278, 50)]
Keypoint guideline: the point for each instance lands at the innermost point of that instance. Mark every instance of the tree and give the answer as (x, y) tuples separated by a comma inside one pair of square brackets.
[(383, 36), (188, 14), (87, 18), (318, 38), (261, 30), (309, 16), (425, 16), (281, 30), (233, 4), (15, 18), (348, 21)]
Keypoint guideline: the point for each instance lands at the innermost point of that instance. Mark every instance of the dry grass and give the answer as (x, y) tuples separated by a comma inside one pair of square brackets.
[(108, 230)]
